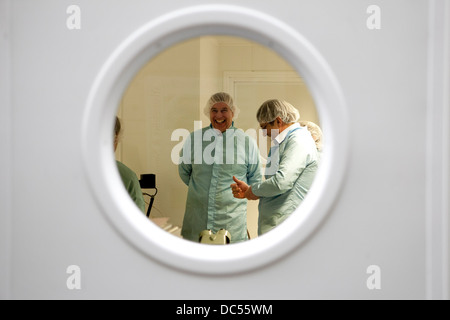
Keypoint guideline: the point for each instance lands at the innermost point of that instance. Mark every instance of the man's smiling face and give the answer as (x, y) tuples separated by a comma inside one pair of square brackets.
[(221, 116)]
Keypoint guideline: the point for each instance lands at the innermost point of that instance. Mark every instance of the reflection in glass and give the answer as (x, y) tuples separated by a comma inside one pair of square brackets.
[(165, 103)]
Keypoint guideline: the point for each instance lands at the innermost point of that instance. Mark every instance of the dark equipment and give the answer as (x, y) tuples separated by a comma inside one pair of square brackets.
[(148, 181)]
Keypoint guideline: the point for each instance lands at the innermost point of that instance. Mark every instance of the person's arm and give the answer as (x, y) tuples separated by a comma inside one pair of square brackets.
[(185, 166), (240, 188), (254, 173), (292, 163), (136, 192)]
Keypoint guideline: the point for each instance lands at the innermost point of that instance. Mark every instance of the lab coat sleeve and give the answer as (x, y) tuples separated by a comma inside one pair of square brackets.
[(185, 165), (293, 161), (136, 193), (254, 174), (185, 170)]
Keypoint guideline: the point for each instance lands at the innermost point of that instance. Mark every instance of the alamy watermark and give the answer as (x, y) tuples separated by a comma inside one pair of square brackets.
[(374, 280), (73, 21), (73, 282), (374, 20), (192, 150)]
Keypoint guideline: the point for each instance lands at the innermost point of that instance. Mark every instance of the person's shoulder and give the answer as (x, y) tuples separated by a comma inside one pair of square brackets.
[(300, 133), (302, 137), (124, 170), (240, 133)]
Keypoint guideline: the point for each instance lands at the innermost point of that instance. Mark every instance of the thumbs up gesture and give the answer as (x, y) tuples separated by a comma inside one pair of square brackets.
[(239, 188)]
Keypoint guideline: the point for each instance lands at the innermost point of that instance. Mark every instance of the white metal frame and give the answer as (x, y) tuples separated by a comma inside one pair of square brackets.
[(5, 147), (438, 152)]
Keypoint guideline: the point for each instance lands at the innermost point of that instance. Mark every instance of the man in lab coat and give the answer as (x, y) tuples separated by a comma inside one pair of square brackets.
[(290, 170), (209, 159)]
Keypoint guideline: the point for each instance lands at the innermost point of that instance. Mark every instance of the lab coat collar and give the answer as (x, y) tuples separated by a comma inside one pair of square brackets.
[(280, 138)]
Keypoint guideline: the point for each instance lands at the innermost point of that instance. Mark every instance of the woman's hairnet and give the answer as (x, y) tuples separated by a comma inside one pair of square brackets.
[(271, 109), (316, 132), (221, 97)]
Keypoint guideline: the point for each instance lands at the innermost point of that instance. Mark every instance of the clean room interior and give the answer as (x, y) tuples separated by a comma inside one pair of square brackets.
[(170, 92)]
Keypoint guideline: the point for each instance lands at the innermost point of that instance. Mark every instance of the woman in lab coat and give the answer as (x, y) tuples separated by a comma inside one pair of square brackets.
[(290, 170), (128, 176), (209, 159)]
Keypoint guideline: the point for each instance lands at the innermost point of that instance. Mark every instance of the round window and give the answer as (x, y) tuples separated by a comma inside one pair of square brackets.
[(207, 22)]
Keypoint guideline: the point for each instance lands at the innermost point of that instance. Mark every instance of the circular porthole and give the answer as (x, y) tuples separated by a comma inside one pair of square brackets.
[(108, 89)]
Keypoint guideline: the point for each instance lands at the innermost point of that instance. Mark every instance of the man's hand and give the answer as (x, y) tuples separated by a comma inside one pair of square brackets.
[(241, 190)]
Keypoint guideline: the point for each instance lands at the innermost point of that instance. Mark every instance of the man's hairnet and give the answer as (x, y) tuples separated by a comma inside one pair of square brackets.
[(221, 97), (271, 109)]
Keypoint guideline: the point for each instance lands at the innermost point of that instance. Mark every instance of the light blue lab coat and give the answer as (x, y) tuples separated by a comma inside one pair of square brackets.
[(290, 171), (207, 168)]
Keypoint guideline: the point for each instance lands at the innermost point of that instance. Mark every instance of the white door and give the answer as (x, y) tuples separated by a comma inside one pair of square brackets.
[(375, 226)]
